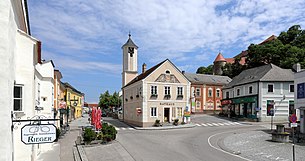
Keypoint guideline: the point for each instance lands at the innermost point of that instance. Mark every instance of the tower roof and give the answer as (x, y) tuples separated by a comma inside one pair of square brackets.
[(130, 43), (219, 58)]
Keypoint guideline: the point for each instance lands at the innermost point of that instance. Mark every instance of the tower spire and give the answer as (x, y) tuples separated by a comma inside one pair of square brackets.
[(129, 34)]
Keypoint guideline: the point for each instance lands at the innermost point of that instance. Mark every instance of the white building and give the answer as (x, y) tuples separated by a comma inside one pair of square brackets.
[(299, 97), (263, 93), (19, 80), (159, 93)]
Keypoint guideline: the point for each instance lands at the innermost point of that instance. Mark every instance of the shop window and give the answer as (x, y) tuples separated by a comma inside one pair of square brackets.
[(270, 107)]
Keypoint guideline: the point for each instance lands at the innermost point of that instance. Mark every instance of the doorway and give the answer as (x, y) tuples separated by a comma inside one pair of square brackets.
[(166, 115)]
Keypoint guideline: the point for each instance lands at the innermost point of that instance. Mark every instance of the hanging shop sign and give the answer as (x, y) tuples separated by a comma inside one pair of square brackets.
[(38, 134), (244, 100)]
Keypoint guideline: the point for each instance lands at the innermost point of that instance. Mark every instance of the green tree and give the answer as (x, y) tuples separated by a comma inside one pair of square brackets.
[(107, 100), (205, 70), (232, 70)]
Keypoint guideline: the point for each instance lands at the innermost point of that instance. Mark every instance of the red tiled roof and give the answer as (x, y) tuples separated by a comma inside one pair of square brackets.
[(230, 60), (270, 38), (219, 58)]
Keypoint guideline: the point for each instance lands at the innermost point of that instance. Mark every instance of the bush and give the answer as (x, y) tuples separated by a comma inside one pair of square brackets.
[(109, 132), (157, 123), (176, 121), (99, 136), (89, 135)]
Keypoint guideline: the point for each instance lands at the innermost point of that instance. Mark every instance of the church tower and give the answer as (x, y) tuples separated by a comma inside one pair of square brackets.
[(130, 61)]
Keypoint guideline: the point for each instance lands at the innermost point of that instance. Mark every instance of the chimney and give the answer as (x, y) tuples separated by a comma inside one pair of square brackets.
[(296, 67), (143, 68), (183, 72)]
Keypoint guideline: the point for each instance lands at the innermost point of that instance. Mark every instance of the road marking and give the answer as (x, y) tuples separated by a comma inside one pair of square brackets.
[(123, 128), (131, 128), (198, 125), (220, 124), (231, 123), (237, 123), (215, 124), (225, 123), (117, 129), (209, 124), (204, 124), (223, 150)]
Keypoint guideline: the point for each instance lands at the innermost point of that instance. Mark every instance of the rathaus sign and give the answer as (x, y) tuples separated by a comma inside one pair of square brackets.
[(37, 134)]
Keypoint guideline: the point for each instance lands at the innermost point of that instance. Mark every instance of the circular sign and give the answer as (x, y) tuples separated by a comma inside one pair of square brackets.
[(293, 118)]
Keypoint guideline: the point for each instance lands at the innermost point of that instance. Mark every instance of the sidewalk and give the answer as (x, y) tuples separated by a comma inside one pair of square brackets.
[(62, 150), (256, 145)]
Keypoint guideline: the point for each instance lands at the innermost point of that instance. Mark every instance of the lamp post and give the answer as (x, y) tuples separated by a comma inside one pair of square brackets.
[(75, 102)]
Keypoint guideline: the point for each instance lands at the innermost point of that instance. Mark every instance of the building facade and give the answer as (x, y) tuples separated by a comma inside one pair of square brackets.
[(206, 92), (160, 93), (299, 96), (74, 100), (262, 93)]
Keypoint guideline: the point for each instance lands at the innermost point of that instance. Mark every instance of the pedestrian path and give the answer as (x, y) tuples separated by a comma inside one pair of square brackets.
[(213, 124)]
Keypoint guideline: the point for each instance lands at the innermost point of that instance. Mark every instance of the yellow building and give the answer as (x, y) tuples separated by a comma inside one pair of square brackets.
[(73, 98)]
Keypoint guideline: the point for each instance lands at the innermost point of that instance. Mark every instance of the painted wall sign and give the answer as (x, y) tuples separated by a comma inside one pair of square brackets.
[(38, 134), (167, 104)]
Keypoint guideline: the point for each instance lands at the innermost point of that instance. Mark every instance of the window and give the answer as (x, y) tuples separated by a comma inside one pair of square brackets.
[(153, 90), (198, 105), (44, 98), (270, 107), (180, 91), (270, 87), (167, 72), (179, 111), (227, 94), (218, 93), (291, 88), (197, 91), (210, 92), (17, 98), (238, 92), (131, 51), (250, 90), (153, 112), (167, 90)]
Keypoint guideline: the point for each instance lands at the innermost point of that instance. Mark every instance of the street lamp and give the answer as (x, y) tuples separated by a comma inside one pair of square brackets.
[(75, 102)]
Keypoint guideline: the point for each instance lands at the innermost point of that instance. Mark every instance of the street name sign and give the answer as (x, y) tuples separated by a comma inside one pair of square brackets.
[(38, 134)]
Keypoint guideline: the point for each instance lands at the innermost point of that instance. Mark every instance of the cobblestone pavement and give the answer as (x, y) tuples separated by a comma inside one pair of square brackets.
[(256, 145)]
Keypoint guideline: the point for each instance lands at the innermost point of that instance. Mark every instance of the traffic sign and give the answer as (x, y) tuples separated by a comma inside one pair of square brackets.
[(293, 118), (294, 124)]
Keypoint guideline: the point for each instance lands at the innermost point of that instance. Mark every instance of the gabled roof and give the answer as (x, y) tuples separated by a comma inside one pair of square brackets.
[(145, 74), (67, 85), (207, 79), (270, 38), (130, 43), (219, 58), (269, 72), (149, 71)]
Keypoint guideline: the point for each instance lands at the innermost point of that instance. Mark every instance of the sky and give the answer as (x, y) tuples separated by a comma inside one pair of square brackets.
[(84, 37)]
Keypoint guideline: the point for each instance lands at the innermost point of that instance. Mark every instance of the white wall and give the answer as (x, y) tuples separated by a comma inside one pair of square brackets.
[(8, 29), (300, 78)]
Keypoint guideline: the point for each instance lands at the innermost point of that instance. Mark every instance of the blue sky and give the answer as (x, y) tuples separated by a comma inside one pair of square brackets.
[(84, 37)]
